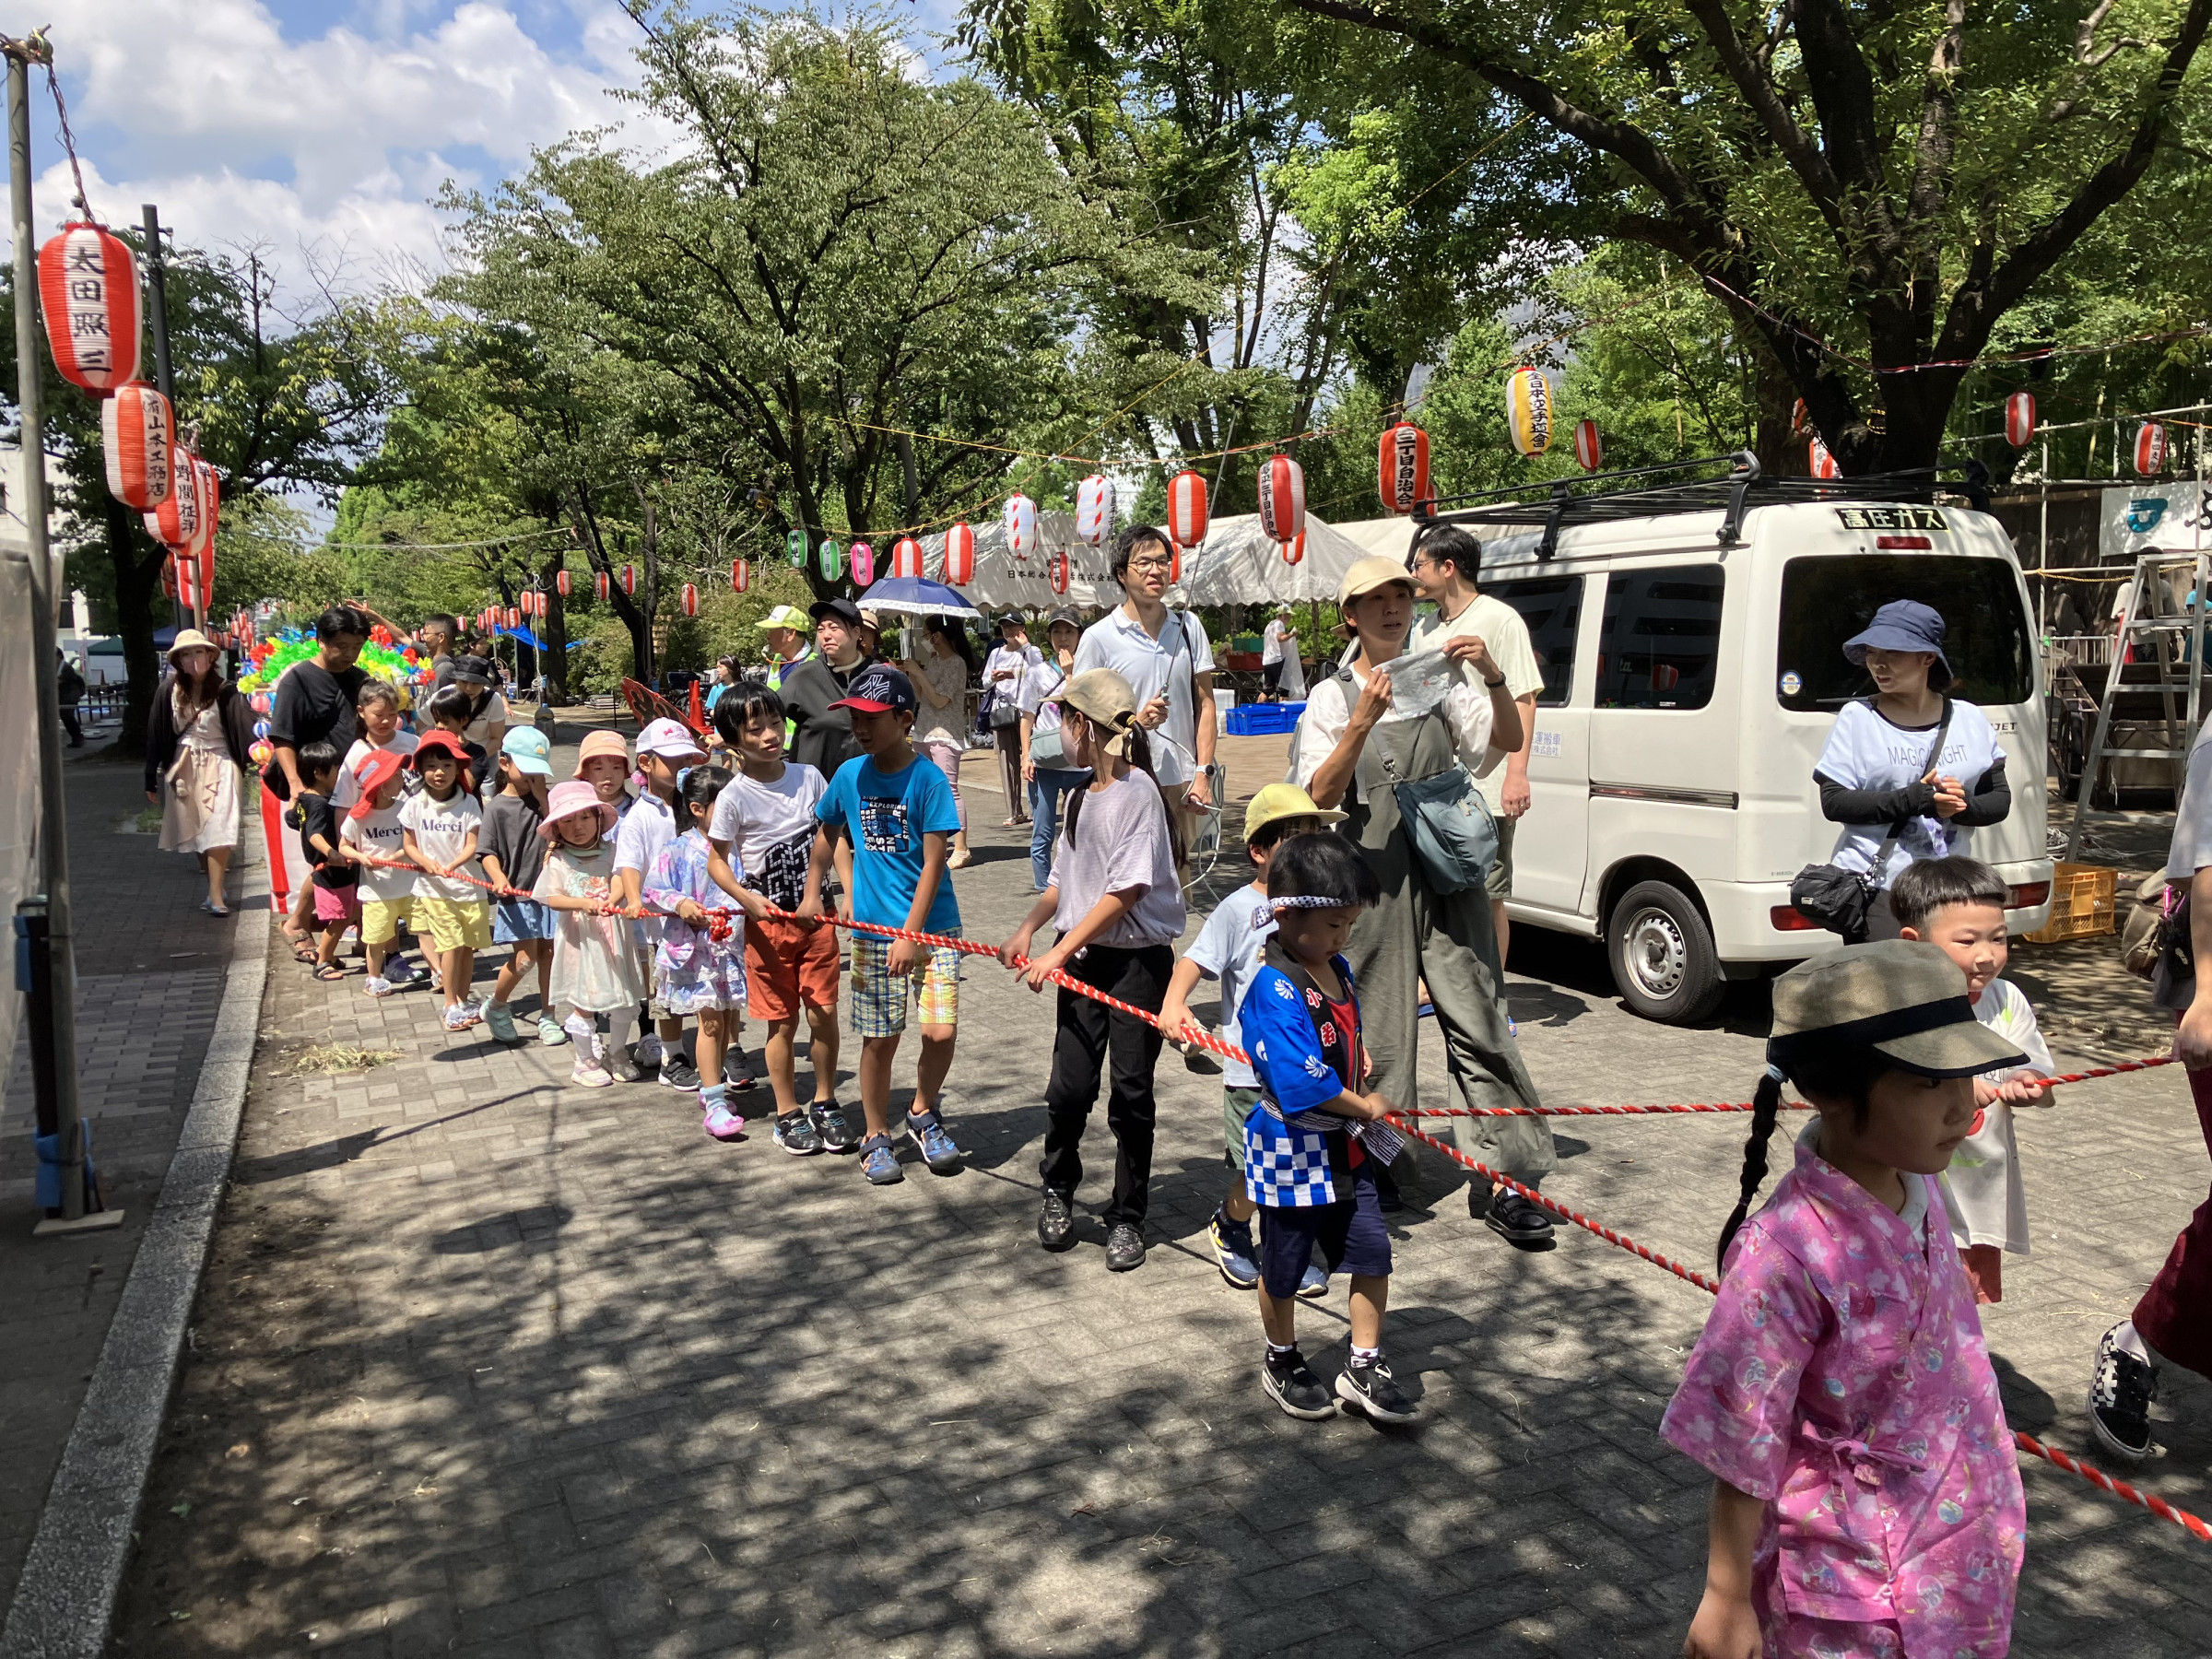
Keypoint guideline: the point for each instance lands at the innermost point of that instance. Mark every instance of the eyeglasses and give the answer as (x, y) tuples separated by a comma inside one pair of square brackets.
[(1149, 564)]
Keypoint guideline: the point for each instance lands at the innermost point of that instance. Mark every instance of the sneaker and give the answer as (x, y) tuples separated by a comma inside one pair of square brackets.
[(926, 1130), (834, 1126), (1511, 1216), (795, 1133), (1055, 1221), (620, 1066), (679, 1073), (549, 1032), (649, 1050), (734, 1071), (460, 1017), (1124, 1247), (878, 1162), (2121, 1392), (1289, 1382), (502, 1021), (1367, 1385), (379, 987), (589, 1073), (1314, 1284), (1233, 1250), (399, 971), (722, 1123)]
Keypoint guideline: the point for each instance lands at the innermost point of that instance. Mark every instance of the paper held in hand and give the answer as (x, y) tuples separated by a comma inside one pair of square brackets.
[(1417, 684)]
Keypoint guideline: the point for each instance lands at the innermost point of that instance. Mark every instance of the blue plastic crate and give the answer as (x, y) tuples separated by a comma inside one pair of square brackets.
[(1256, 720)]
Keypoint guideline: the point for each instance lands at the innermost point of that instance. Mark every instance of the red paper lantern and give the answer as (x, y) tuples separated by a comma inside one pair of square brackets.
[(1059, 572), (188, 581), (514, 615), (1820, 463), (177, 520), (906, 558), (560, 584), (599, 583), (2019, 418), (960, 555), (136, 433), (1094, 509), (1402, 469), (89, 293), (1019, 519), (2151, 449), (741, 576), (1282, 497), (629, 579), (1589, 449), (202, 546), (863, 558), (1801, 420), (691, 599), (1294, 550), (1186, 510)]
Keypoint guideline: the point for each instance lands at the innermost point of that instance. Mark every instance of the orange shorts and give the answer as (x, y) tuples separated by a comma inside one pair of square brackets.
[(786, 964)]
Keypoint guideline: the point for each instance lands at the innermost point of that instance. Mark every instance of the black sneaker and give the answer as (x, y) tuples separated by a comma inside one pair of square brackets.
[(1124, 1247), (1367, 1385), (830, 1123), (679, 1073), (1055, 1221), (1515, 1219), (2120, 1395), (795, 1133), (734, 1071), (1289, 1382)]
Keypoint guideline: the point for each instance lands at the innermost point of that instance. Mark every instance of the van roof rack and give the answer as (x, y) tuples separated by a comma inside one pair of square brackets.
[(1600, 497)]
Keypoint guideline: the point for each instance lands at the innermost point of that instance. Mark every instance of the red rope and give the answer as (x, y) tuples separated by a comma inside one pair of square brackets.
[(2118, 1488)]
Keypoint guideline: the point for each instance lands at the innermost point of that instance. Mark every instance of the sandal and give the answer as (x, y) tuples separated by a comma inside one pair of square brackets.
[(211, 907), (329, 971), (304, 952)]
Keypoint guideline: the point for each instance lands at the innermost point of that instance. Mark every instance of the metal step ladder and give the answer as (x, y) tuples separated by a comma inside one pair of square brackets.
[(2175, 642)]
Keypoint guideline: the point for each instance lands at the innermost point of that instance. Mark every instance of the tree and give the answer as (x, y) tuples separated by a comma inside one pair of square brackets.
[(1894, 178)]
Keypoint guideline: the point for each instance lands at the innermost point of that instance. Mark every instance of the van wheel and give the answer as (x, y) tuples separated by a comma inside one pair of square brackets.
[(1661, 955)]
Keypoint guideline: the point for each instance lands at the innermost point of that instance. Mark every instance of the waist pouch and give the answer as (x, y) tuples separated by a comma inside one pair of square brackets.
[(1448, 824)]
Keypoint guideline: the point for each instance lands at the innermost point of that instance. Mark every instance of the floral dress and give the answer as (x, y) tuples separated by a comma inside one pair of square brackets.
[(1842, 1379), (692, 971), (596, 967)]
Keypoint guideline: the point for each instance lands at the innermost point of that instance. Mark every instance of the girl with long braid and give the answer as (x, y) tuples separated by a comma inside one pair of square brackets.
[(1865, 1500)]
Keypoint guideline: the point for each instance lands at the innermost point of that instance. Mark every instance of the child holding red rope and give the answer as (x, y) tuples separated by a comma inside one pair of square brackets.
[(596, 966), (696, 972), (1865, 1498)]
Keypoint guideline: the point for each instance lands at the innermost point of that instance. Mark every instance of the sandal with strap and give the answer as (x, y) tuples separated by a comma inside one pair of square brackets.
[(329, 972)]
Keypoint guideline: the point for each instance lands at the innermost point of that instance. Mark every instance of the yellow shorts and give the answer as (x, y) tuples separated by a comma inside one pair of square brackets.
[(880, 997), (381, 918), (454, 923)]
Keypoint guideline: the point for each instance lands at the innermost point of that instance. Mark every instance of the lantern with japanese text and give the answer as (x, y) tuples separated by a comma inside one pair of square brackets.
[(906, 557), (1019, 519), (2151, 449), (1401, 469), (1059, 572), (1094, 509), (1282, 499), (960, 555), (89, 294), (691, 598), (629, 579), (1528, 411), (202, 546), (1294, 550), (185, 586), (794, 549), (1819, 463), (136, 434), (1589, 449), (863, 559), (832, 560), (514, 615), (1186, 509), (599, 584), (741, 576), (2019, 418), (177, 520), (560, 584)]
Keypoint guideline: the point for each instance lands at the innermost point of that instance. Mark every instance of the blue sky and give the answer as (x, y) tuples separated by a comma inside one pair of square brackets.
[(321, 130)]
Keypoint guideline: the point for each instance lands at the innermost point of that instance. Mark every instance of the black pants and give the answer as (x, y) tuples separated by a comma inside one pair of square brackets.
[(77, 732), (1090, 1034)]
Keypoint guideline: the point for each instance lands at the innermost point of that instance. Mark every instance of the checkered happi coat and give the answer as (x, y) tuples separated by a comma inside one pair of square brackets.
[(1287, 1149)]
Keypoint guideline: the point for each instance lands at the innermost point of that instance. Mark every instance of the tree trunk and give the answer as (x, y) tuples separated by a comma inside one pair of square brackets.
[(555, 658), (138, 588)]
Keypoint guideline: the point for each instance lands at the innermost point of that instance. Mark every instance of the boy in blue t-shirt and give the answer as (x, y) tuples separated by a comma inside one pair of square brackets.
[(894, 819)]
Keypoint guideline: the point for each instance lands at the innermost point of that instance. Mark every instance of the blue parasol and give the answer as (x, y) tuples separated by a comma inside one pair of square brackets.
[(911, 596)]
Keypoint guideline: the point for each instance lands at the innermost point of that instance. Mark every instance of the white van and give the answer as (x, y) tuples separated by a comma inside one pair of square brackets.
[(1691, 641)]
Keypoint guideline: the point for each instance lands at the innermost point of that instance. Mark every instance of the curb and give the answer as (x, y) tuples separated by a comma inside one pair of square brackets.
[(64, 1600)]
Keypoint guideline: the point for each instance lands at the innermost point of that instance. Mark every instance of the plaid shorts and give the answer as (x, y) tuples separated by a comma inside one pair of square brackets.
[(880, 998)]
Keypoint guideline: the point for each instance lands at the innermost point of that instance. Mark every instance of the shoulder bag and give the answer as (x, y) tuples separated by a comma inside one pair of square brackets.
[(1839, 899), (1448, 824), (1047, 749)]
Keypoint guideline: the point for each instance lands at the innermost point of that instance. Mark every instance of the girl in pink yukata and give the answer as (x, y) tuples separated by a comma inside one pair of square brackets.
[(1865, 1503)]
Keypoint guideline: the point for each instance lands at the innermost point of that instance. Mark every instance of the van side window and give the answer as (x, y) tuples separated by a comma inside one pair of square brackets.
[(1552, 607), (1660, 645)]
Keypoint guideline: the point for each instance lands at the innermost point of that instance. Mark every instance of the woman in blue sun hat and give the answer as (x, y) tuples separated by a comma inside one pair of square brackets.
[(1909, 772)]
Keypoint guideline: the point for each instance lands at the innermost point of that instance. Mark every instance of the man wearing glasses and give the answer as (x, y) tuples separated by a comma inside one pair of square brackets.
[(1164, 656)]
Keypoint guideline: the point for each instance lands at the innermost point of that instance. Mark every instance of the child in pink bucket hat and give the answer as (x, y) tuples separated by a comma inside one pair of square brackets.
[(594, 969)]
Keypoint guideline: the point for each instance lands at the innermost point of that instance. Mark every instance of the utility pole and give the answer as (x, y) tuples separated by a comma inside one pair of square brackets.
[(157, 311), (53, 845)]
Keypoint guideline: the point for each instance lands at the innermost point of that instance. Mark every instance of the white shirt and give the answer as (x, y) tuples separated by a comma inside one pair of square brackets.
[(1118, 640), (1499, 626), (1865, 751), (646, 829), (1229, 948), (380, 835), (442, 828), (1004, 659), (348, 787), (1328, 714), (769, 828), (1271, 640), (1038, 684), (1983, 1193), (479, 729)]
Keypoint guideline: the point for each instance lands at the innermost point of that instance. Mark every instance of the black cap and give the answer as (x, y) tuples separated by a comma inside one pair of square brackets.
[(879, 688), (844, 610)]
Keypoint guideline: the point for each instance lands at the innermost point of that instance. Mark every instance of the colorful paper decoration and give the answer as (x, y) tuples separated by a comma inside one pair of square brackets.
[(1020, 517), (1820, 463), (2019, 418), (1294, 550), (136, 433), (89, 294), (1589, 449), (691, 599), (2151, 449), (1528, 411), (560, 584), (863, 559), (906, 558), (599, 584), (1059, 572), (629, 579), (1401, 469), (833, 561), (741, 576), (1186, 509), (514, 615), (1282, 499), (960, 555), (1094, 509), (794, 549)]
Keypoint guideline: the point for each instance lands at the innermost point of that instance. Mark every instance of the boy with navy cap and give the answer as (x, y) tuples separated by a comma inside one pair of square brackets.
[(887, 822)]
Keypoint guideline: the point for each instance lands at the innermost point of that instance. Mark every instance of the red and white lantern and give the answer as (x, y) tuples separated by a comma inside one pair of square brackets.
[(514, 615), (1820, 463), (2151, 449), (1282, 499), (691, 598), (863, 559), (1294, 550), (89, 293), (906, 558), (1589, 449), (1019, 518), (202, 546), (960, 555), (1059, 572), (176, 520), (629, 579), (741, 576), (599, 583), (1186, 510), (2019, 418), (560, 584), (1401, 469), (137, 434), (1801, 420), (1094, 509), (187, 579)]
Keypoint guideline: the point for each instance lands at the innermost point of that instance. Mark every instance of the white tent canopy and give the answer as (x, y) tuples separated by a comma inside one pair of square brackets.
[(1386, 537)]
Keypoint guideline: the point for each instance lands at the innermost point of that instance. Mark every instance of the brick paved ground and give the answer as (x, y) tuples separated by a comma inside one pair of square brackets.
[(487, 1365), (150, 966)]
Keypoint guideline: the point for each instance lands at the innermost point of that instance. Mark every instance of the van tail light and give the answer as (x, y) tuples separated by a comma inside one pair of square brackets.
[(1903, 544), (2027, 895), (1787, 917)]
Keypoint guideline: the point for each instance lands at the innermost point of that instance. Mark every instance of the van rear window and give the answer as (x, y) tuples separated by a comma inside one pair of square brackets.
[(1825, 601), (1660, 647), (1552, 607)]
